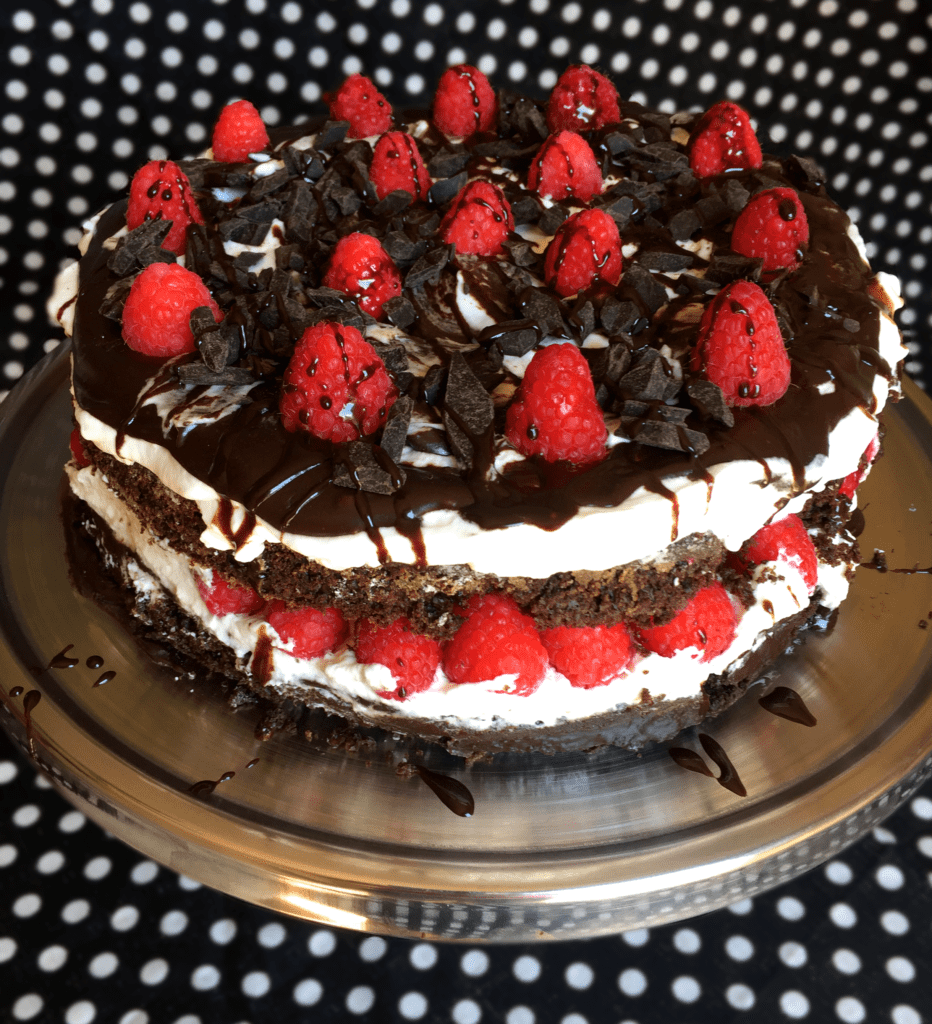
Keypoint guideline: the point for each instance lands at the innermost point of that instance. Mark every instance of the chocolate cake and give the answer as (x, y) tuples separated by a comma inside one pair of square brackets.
[(613, 592)]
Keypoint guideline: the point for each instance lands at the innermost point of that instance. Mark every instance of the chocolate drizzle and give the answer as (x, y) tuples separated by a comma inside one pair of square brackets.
[(830, 322), (451, 792), (786, 703)]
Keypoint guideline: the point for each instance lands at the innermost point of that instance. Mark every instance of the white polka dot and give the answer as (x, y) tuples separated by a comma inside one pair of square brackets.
[(843, 915), (322, 943), (8, 854), (97, 868), (474, 963), (27, 815), (739, 948), (154, 972), (308, 992), (224, 931), (8, 949), (579, 976), (687, 941), (838, 872), (271, 935), (903, 1014), (686, 989), (850, 1010), (740, 997), (793, 954), (790, 908), (742, 907), (50, 862), (360, 999), (124, 918), (75, 911), (900, 969), (205, 977), (103, 965), (794, 1004), (27, 905), (890, 877), (82, 1012), (412, 1006), (846, 961), (52, 958), (173, 923), (466, 1012), (423, 956), (632, 982), (636, 937), (28, 1006), (921, 806), (894, 922), (526, 968), (256, 984)]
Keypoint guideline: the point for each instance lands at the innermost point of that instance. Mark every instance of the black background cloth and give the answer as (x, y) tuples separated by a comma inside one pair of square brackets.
[(89, 930)]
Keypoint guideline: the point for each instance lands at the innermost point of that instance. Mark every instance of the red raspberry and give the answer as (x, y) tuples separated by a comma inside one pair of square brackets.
[(554, 412), (708, 622), (854, 479), (774, 227), (224, 598), (359, 102), (397, 164), (360, 267), (723, 140), (589, 655), (411, 657), (740, 348), (465, 102), (159, 307), (77, 449), (307, 632), (581, 101), (160, 190), (238, 132), (335, 387), (783, 541), (479, 220), (565, 168), (585, 251), (496, 639)]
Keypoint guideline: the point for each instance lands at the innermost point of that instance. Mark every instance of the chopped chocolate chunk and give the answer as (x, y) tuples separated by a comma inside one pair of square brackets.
[(331, 133), (617, 362), (687, 284), (396, 429), (115, 299), (428, 267), (711, 209), (552, 218), (620, 209), (140, 248), (267, 185), (349, 314), (448, 161), (512, 337), (216, 347), (262, 213), (300, 212), (400, 311), (443, 190), (467, 409), (631, 410), (432, 384), (707, 398), (198, 373), (648, 381), (734, 195), (361, 467), (806, 171), (348, 200), (403, 250), (618, 142), (518, 278), (618, 316), (665, 262), (523, 115), (651, 291), (684, 224), (394, 357), (393, 203), (202, 320), (539, 305), (521, 252), (302, 163), (727, 268), (288, 257), (525, 210), (243, 231), (430, 440), (584, 315), (660, 434)]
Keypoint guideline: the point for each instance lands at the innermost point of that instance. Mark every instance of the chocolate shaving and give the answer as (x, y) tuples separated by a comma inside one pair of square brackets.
[(711, 209), (403, 250), (632, 410), (708, 399), (432, 384), (331, 133), (651, 291), (361, 467), (246, 232), (299, 212), (140, 248), (618, 142), (467, 409), (427, 268), (395, 430), (400, 311), (445, 189), (665, 262), (115, 299), (618, 316), (198, 373), (523, 115)]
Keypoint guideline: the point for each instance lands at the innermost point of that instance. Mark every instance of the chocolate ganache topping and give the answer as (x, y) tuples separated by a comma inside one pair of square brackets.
[(453, 378)]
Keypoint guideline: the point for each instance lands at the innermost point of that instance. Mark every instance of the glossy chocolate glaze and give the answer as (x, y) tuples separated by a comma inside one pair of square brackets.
[(827, 311)]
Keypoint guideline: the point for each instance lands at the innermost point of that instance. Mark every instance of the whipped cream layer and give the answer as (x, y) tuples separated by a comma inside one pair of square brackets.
[(779, 592)]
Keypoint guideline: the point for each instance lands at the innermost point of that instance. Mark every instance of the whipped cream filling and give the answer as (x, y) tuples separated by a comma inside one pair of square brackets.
[(779, 592)]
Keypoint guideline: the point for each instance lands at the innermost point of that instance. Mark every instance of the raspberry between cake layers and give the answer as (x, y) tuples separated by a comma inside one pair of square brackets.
[(507, 425)]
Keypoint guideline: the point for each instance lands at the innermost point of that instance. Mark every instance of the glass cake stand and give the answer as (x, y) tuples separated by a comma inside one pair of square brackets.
[(558, 847)]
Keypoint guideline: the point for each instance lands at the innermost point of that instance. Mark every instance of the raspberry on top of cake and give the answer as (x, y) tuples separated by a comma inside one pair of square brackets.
[(511, 420)]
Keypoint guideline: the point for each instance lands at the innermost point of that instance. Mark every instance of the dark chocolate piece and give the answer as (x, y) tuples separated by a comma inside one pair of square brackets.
[(392, 204), (666, 262), (727, 268), (618, 316), (445, 189), (402, 249), (448, 161), (521, 252), (432, 384), (648, 381), (539, 305), (512, 337), (400, 311), (331, 133), (358, 466), (709, 400), (427, 268), (115, 299), (660, 434), (645, 284), (467, 409), (395, 430), (198, 373)]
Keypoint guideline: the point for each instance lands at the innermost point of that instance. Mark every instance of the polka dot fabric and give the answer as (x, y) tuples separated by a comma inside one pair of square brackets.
[(91, 90), (92, 931), (89, 931)]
